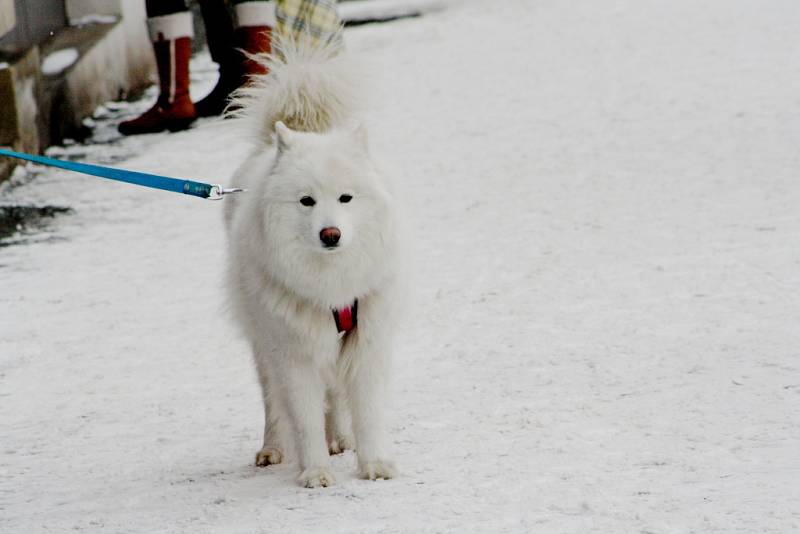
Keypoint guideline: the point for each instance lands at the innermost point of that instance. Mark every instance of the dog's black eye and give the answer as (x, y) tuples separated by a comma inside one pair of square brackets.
[(344, 199), (307, 201)]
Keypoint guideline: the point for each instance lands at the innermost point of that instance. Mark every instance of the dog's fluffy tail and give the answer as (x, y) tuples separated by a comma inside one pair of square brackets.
[(310, 87)]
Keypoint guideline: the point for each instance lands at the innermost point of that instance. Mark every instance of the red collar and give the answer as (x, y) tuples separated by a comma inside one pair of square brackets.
[(346, 318)]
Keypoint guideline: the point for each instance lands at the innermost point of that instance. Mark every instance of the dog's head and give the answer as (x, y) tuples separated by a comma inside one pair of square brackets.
[(326, 188), (328, 209)]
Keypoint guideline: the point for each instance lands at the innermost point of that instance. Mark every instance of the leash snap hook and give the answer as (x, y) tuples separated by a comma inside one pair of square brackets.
[(217, 192)]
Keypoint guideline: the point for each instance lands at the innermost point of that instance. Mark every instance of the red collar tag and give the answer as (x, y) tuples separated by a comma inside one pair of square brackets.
[(346, 318)]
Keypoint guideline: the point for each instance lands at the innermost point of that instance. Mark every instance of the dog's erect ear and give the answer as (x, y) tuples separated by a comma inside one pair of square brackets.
[(284, 136)]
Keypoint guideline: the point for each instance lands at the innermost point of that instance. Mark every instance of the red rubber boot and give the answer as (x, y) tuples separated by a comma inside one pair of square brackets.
[(172, 44), (255, 21)]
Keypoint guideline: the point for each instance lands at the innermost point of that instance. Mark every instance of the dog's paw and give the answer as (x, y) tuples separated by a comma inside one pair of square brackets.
[(268, 456), (377, 469), (316, 477), (341, 444)]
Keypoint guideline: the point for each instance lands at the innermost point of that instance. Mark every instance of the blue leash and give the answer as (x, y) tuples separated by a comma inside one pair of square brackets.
[(187, 187)]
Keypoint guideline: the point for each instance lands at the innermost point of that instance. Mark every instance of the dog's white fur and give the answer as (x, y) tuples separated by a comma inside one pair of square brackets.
[(284, 284)]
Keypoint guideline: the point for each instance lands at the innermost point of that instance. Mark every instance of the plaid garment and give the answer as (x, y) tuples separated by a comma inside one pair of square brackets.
[(317, 19)]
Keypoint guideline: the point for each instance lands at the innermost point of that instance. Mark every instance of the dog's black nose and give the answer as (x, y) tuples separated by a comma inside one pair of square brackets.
[(330, 236)]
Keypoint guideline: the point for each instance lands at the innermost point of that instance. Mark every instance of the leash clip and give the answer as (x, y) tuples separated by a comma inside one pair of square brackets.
[(218, 192)]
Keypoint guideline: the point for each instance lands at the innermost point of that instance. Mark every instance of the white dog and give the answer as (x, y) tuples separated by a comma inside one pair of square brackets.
[(313, 271)]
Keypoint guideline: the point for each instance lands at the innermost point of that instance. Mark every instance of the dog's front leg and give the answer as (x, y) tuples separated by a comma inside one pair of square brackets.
[(367, 384), (303, 391)]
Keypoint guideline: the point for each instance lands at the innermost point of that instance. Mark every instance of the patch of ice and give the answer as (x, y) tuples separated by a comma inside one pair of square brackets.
[(59, 61)]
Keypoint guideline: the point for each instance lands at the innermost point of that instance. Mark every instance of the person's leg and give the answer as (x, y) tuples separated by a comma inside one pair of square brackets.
[(170, 25), (222, 46), (317, 19), (230, 48)]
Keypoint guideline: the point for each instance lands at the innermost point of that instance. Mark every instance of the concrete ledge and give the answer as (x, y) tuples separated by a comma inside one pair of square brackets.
[(20, 91)]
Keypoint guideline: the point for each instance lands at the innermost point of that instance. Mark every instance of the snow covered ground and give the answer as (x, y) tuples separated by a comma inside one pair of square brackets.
[(606, 336)]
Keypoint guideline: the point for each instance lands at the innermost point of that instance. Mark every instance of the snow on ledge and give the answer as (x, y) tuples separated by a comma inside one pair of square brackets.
[(59, 61)]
